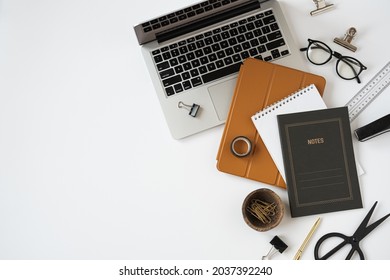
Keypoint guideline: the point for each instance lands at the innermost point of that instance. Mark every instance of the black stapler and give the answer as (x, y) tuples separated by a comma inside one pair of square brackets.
[(373, 129)]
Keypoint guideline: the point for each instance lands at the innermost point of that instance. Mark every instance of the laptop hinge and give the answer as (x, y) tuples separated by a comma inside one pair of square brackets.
[(204, 22)]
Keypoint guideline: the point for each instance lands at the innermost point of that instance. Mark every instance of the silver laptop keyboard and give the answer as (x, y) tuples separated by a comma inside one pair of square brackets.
[(217, 53)]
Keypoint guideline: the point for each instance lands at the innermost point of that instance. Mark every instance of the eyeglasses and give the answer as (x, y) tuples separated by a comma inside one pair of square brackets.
[(347, 67)]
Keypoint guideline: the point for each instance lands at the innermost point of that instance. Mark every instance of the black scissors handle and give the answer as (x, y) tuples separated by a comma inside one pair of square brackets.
[(346, 240)]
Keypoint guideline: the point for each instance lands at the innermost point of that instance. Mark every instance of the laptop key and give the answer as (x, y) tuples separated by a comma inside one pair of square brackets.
[(211, 66), (236, 58), (258, 23), (229, 51), (178, 88), (166, 55), (250, 25), (202, 69), (228, 60), (274, 35), (275, 53), (187, 66), (194, 72), (261, 49), (212, 57), (167, 73), (232, 41), (169, 91), (173, 20), (246, 45), (207, 50), (266, 29), (190, 56), (186, 75), (275, 44), (237, 48), (219, 63), (274, 26), (196, 82), (198, 53), (204, 60), (224, 44), (183, 49), (244, 55), (259, 57), (254, 43), (225, 35), (221, 54), (285, 52), (191, 47), (222, 72), (179, 69), (195, 63), (187, 85), (268, 20), (175, 52), (173, 62), (172, 80), (253, 52), (163, 65), (182, 59), (158, 59)]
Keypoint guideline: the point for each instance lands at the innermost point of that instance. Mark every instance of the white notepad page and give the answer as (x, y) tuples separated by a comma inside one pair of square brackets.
[(306, 99)]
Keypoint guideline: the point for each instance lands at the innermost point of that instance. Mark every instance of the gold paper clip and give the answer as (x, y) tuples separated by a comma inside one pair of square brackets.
[(321, 7), (346, 41)]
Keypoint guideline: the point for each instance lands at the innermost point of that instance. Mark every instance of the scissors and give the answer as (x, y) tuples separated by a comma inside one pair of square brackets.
[(362, 231)]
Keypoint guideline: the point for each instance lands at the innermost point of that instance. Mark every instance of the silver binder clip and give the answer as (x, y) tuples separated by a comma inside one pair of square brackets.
[(193, 110), (346, 41), (321, 7)]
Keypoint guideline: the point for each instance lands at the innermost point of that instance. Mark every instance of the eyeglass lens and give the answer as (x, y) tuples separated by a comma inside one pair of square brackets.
[(348, 67), (319, 53)]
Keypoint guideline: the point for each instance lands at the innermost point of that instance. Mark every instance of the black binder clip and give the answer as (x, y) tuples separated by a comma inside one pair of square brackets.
[(346, 41), (193, 110), (277, 246), (321, 7)]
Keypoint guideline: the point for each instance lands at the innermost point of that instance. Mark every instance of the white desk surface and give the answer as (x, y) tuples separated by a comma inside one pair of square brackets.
[(88, 169)]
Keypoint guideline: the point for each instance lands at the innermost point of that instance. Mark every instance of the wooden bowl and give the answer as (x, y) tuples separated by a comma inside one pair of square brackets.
[(262, 209)]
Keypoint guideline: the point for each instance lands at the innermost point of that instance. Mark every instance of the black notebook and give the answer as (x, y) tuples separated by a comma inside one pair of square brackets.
[(319, 161)]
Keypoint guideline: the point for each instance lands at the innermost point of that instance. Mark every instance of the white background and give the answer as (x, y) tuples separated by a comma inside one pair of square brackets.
[(88, 169)]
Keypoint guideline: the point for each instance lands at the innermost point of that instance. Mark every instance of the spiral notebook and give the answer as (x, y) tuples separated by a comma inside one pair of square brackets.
[(266, 123)]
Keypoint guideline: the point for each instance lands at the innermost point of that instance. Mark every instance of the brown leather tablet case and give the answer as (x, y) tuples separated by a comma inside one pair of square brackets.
[(259, 85)]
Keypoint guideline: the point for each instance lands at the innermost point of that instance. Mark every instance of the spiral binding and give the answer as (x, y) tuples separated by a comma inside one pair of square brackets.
[(281, 102)]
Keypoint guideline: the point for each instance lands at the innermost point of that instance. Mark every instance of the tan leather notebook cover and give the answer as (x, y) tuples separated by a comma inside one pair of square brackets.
[(259, 85)]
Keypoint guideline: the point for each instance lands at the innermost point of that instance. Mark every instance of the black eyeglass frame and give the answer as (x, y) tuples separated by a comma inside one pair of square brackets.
[(340, 57)]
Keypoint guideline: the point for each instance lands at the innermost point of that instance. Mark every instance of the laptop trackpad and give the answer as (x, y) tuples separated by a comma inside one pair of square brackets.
[(221, 95)]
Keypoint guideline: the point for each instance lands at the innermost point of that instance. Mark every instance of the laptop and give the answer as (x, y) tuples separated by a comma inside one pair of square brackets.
[(193, 56)]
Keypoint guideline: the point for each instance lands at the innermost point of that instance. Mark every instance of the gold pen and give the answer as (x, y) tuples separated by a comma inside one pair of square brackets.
[(300, 250)]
